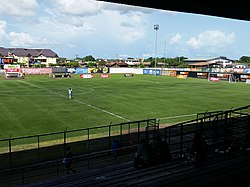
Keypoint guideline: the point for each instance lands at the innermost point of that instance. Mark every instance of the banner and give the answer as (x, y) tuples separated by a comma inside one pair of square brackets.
[(214, 79), (181, 76), (104, 75), (98, 70), (244, 77), (151, 72), (184, 73), (12, 68), (172, 73), (223, 76), (81, 70), (59, 70), (37, 71), (247, 70), (71, 70), (128, 75), (202, 75), (87, 76)]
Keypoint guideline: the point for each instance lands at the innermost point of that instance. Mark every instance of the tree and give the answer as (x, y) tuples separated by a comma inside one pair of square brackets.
[(169, 62), (244, 60), (88, 58), (91, 64), (101, 63)]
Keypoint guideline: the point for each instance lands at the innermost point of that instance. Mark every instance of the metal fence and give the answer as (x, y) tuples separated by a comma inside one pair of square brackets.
[(218, 129), (16, 152)]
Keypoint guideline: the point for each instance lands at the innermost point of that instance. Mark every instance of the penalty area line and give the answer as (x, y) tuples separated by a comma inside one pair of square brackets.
[(89, 105), (105, 111)]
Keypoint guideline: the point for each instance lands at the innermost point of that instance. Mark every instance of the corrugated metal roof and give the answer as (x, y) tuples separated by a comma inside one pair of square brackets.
[(27, 52), (202, 63)]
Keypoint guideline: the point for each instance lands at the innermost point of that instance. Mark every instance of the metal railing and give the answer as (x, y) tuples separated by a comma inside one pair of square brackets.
[(218, 130), (21, 151)]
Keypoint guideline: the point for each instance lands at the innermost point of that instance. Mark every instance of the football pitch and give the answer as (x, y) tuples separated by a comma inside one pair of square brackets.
[(39, 104)]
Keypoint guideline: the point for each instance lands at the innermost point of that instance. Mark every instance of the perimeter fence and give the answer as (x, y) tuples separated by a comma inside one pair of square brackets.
[(218, 128), (21, 151)]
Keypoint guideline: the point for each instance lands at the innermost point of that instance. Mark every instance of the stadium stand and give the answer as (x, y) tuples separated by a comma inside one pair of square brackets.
[(175, 173), (224, 166)]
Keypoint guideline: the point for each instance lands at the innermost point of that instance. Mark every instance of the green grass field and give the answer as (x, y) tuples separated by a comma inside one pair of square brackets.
[(39, 104)]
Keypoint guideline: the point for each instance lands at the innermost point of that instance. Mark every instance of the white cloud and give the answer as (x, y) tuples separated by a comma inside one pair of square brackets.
[(211, 39), (147, 55), (70, 45), (175, 39), (68, 21), (93, 7), (168, 12), (26, 40), (78, 8), (3, 33), (125, 9), (18, 8), (117, 26)]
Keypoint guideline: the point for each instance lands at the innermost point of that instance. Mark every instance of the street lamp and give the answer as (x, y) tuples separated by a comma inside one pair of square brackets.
[(156, 28)]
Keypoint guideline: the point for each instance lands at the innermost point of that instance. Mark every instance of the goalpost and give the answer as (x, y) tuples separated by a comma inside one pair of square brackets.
[(232, 78)]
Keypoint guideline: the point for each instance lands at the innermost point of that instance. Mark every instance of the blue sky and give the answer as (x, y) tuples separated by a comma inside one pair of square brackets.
[(106, 30)]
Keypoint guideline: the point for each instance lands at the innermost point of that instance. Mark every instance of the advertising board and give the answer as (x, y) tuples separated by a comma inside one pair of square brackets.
[(87, 76)]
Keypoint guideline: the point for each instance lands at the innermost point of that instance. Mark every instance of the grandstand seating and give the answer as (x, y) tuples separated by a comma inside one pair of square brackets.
[(225, 170), (221, 169)]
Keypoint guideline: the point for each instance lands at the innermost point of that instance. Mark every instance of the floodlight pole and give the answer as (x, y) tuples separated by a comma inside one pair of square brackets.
[(156, 28), (165, 53)]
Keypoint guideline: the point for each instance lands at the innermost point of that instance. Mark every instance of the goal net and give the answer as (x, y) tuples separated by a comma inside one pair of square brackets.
[(232, 78)]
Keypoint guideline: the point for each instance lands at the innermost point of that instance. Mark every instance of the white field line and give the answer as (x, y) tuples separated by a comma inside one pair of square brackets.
[(89, 105), (181, 116)]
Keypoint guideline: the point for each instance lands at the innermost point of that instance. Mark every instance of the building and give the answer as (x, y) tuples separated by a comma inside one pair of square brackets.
[(27, 57), (221, 62)]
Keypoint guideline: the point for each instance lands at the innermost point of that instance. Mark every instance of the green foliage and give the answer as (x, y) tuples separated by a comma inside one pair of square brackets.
[(72, 64), (244, 60), (91, 64), (141, 66), (101, 63), (169, 62), (88, 58)]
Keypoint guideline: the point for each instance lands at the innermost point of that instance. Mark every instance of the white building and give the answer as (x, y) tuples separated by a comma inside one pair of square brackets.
[(213, 62)]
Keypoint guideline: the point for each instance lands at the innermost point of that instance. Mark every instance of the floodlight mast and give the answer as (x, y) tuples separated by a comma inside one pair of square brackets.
[(156, 28)]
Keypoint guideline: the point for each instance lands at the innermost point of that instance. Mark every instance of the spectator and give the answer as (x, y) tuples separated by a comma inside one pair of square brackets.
[(246, 143), (115, 147), (68, 160), (199, 148), (162, 151), (144, 155)]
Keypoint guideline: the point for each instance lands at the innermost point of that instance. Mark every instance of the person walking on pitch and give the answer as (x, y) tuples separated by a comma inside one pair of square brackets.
[(70, 93)]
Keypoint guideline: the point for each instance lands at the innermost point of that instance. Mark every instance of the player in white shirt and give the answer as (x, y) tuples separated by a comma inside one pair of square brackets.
[(70, 93)]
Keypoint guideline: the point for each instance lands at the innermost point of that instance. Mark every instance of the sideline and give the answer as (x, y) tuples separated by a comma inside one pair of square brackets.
[(78, 101)]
